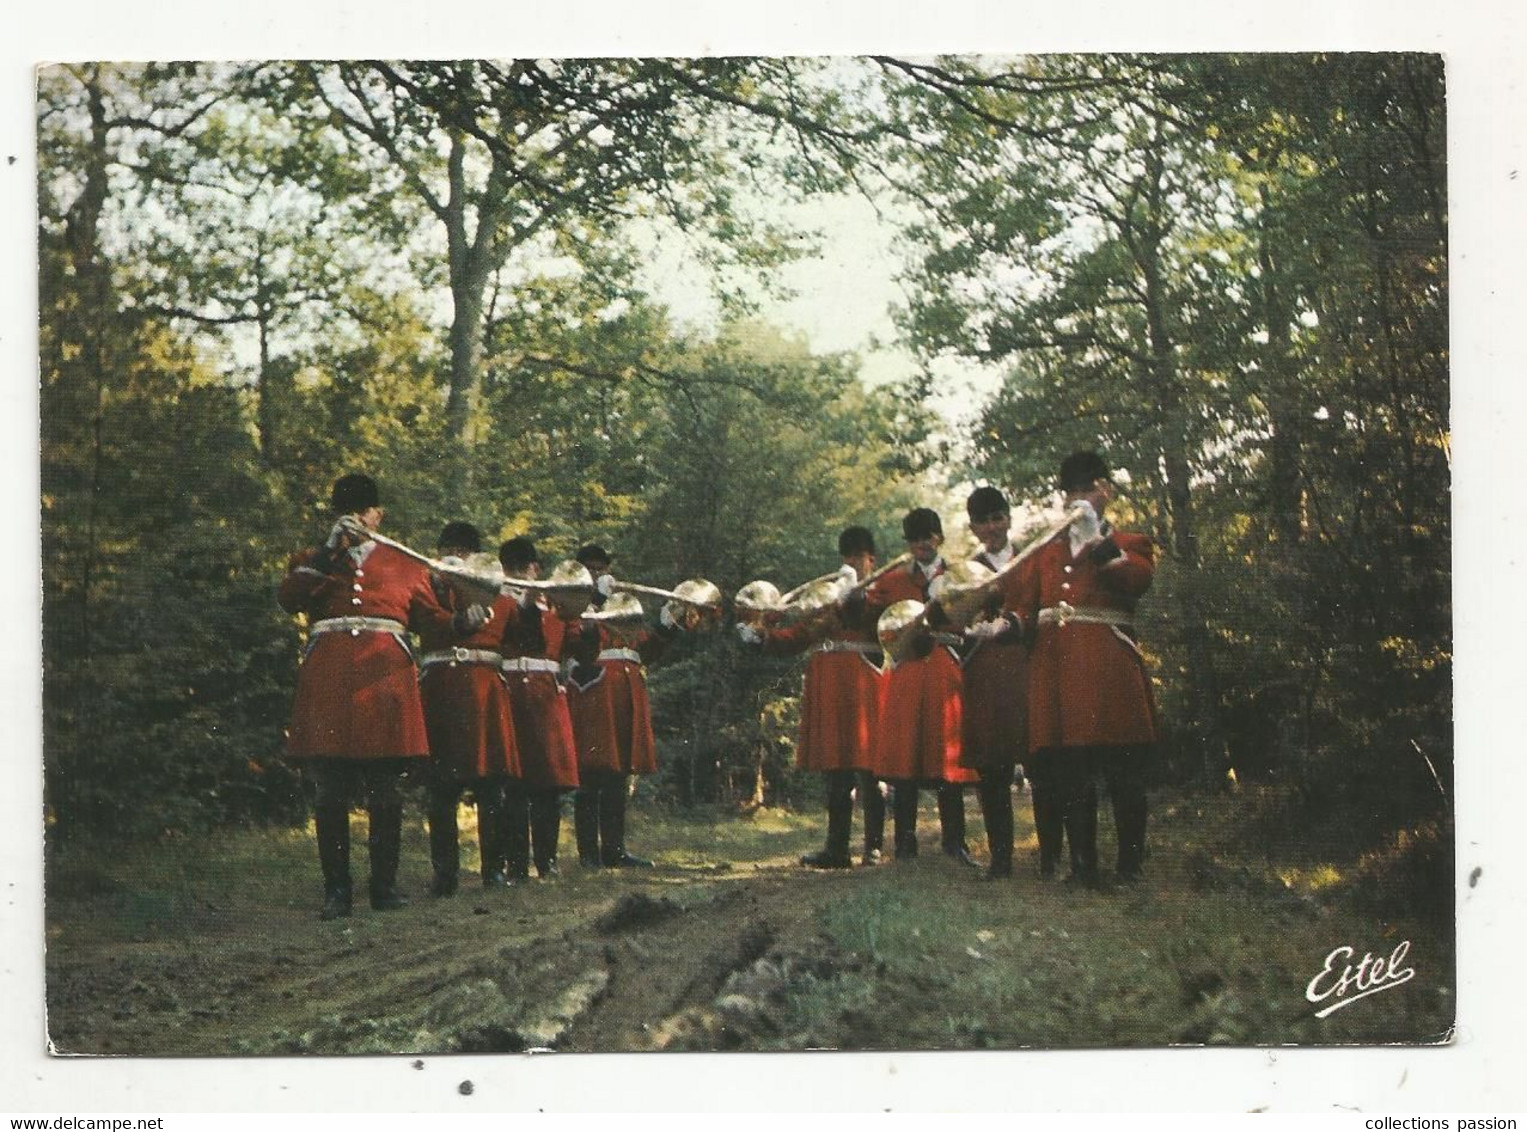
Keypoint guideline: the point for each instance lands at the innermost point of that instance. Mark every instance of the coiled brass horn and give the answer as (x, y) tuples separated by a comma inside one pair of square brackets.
[(964, 589), (622, 616), (758, 603), (899, 627)]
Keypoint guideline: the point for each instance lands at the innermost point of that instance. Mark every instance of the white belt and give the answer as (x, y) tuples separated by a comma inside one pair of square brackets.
[(864, 648), (531, 664), (1064, 612), (461, 656), (358, 625), (621, 654)]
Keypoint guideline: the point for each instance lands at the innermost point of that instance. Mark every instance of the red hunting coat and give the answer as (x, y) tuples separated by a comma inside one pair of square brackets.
[(1087, 682), (996, 719), (612, 716), (358, 690), (921, 701), (466, 700), (840, 705), (543, 730)]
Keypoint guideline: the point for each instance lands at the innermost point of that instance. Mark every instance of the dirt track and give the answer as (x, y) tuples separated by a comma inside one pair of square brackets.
[(615, 961), (727, 944)]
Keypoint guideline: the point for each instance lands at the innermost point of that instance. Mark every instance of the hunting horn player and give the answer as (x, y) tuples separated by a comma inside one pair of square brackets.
[(840, 705), (535, 634), (471, 731), (1090, 704), (611, 713), (921, 701), (357, 720), (994, 664)]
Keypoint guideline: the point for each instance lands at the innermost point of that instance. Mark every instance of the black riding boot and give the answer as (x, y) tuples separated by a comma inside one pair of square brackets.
[(545, 829), (514, 836), (490, 833), (840, 820), (996, 792), (873, 804), (444, 855), (1049, 813), (586, 825), (612, 827), (1124, 770), (385, 840), (904, 814), (951, 820), (332, 826), (1081, 818)]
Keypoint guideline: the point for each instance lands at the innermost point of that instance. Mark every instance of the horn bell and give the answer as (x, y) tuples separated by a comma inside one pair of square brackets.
[(618, 608), (963, 590), (814, 599), (898, 628), (757, 603), (696, 604), (570, 588)]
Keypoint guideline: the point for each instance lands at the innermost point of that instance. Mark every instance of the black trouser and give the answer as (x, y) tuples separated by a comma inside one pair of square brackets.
[(514, 832), (599, 816), (444, 796), (873, 804), (532, 826), (339, 783), (951, 816), (545, 827), (1065, 808), (996, 794), (1066, 803), (1124, 771)]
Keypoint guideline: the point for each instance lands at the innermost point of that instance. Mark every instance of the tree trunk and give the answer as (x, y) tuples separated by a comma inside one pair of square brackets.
[(91, 270), (469, 280), (1203, 684), (1285, 493)]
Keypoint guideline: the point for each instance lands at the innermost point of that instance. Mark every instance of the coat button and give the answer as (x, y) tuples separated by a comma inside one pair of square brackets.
[(360, 573), (1065, 585), (356, 587), (355, 601), (1068, 569), (355, 632)]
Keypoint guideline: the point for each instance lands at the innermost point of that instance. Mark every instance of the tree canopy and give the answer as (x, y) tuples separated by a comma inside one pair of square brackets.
[(1227, 273)]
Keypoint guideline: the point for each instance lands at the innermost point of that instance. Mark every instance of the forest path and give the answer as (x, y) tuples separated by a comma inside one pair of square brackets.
[(726, 944)]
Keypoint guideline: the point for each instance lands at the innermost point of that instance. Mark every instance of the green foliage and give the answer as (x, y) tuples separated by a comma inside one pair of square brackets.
[(1227, 272), (1231, 279)]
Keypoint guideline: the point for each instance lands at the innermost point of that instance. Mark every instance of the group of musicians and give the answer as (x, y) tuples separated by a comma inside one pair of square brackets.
[(1046, 674), (536, 688)]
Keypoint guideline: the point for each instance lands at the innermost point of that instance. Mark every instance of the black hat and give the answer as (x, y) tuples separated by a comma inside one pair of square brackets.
[(921, 523), (986, 501), (1079, 470), (460, 536), (593, 552), (855, 540), (517, 553), (353, 494)]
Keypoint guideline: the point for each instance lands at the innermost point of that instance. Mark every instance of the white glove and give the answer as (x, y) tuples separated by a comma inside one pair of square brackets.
[(665, 616), (849, 575), (1086, 527), (749, 635), (986, 630), (339, 535), (605, 584)]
